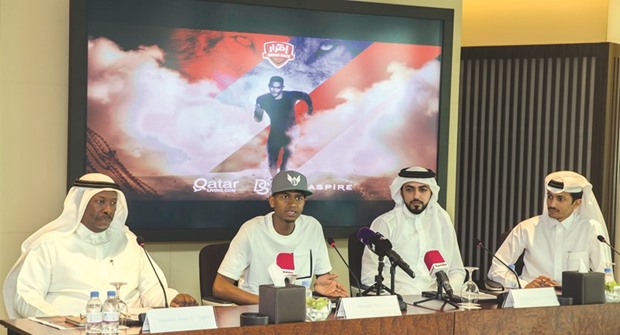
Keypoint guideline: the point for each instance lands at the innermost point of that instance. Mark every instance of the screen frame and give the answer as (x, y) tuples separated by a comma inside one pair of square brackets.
[(78, 58)]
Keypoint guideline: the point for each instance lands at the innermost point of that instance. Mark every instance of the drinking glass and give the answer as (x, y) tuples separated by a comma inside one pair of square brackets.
[(123, 310), (318, 309), (469, 291)]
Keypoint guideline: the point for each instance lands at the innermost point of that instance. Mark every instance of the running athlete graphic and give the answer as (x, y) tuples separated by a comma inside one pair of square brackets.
[(280, 106)]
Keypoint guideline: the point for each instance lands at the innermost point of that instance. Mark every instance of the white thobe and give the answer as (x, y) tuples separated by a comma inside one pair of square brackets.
[(551, 247), (412, 236), (58, 274)]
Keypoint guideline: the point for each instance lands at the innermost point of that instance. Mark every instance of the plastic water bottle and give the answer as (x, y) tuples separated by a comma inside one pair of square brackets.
[(306, 284), (610, 283), (309, 299), (110, 314), (94, 317)]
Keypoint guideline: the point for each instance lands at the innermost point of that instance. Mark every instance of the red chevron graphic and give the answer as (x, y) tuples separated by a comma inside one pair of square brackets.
[(368, 68)]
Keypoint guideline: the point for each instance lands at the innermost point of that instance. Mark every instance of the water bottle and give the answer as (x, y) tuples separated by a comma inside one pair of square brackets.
[(94, 317), (306, 284), (110, 314), (610, 283)]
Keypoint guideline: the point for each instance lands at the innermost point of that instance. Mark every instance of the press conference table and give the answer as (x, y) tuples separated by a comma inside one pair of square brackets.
[(584, 319)]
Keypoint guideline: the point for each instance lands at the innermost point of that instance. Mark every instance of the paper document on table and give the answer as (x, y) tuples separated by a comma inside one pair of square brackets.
[(76, 320), (47, 323), (482, 297)]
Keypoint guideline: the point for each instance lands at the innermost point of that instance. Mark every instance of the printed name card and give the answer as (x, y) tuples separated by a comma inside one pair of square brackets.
[(531, 297), (176, 319), (368, 307)]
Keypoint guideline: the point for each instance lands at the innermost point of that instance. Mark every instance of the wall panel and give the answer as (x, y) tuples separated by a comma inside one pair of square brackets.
[(526, 111)]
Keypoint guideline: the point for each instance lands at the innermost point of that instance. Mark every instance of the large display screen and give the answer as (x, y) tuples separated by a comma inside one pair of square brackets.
[(192, 106)]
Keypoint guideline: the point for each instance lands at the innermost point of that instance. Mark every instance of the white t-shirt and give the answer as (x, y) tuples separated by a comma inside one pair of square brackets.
[(412, 236), (257, 245), (550, 248)]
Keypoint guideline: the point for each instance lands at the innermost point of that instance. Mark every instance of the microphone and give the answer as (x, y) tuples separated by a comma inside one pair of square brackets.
[(602, 239), (332, 244), (480, 245), (436, 265), (141, 242), (381, 246)]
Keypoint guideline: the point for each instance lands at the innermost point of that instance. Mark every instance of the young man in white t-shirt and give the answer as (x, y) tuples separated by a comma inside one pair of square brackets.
[(285, 237)]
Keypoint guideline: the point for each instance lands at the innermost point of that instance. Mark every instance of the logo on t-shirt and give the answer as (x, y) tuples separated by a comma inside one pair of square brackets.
[(286, 261)]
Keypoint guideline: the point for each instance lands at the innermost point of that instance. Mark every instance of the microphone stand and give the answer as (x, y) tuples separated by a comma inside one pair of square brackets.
[(401, 303), (156, 275), (438, 296), (332, 244), (378, 285)]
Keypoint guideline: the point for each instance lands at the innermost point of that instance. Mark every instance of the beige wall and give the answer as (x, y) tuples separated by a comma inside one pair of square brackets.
[(33, 106), (33, 135), (501, 22), (613, 30), (33, 119)]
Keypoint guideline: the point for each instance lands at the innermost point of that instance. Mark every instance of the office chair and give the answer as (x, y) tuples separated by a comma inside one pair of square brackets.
[(355, 252), (209, 261), (519, 263)]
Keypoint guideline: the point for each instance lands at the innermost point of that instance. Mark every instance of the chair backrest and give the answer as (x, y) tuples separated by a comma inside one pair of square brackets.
[(209, 261), (519, 263), (356, 250)]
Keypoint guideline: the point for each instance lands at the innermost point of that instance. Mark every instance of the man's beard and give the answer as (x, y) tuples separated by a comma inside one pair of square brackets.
[(416, 210)]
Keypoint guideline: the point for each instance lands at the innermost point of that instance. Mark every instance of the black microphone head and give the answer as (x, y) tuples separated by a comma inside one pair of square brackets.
[(140, 240), (364, 234), (601, 238), (331, 242)]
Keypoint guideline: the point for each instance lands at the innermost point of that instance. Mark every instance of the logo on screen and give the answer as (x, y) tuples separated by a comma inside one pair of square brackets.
[(215, 186), (262, 186), (278, 53)]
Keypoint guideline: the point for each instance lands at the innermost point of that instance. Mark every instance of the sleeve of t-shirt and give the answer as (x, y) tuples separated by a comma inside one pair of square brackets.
[(323, 265), (237, 258), (305, 97)]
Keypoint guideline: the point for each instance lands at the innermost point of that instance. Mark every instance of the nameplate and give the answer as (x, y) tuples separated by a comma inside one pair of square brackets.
[(177, 319), (368, 307), (531, 297)]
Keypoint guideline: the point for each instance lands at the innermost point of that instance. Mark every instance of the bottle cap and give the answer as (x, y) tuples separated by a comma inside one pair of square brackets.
[(111, 294), (94, 294)]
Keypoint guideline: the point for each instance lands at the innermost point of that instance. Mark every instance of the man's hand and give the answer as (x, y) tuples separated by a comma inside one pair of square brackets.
[(258, 113), (328, 286), (183, 300), (542, 281)]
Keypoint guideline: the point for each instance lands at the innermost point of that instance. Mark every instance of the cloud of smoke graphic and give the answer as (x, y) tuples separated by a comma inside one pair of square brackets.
[(161, 123)]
